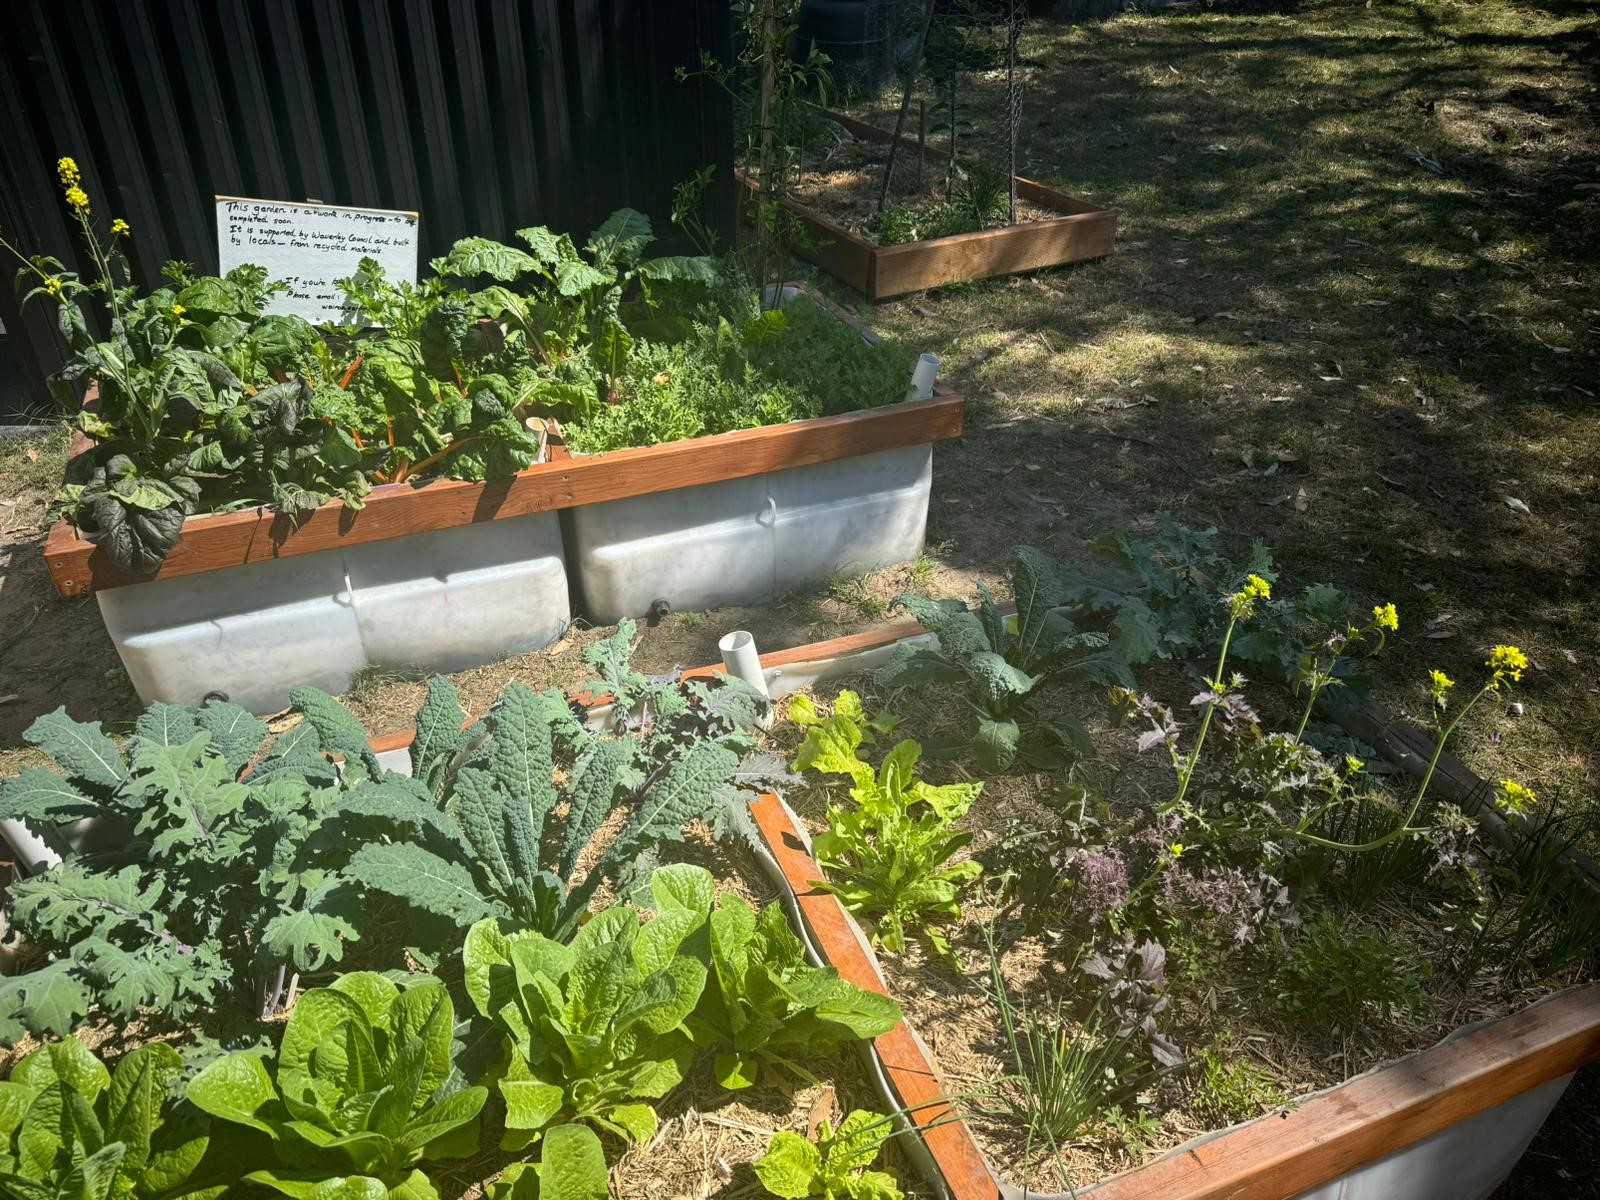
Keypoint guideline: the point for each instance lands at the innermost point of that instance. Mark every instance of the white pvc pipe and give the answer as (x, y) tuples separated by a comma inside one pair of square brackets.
[(922, 377), (32, 853), (743, 661)]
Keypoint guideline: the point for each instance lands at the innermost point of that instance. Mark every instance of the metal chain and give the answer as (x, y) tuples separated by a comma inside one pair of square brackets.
[(1013, 97)]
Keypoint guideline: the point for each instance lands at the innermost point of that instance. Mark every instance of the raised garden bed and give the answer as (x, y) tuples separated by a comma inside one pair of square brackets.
[(1068, 229), (1441, 1124), (453, 573)]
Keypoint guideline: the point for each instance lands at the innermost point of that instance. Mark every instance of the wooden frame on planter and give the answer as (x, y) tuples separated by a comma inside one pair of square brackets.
[(217, 541), (1275, 1157), (1083, 230)]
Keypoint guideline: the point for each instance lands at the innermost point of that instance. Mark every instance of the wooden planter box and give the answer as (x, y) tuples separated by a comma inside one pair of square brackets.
[(1081, 231), (1443, 1124)]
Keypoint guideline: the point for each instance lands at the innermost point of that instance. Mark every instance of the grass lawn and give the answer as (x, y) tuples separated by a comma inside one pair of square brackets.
[(1387, 372)]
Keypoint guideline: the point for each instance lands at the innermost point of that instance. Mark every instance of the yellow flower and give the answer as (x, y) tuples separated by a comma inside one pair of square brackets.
[(78, 198), (1439, 683), (1177, 849), (1515, 798), (120, 227), (178, 310), (1353, 765), (67, 172), (1507, 662), (1384, 616), (52, 286), (1243, 602)]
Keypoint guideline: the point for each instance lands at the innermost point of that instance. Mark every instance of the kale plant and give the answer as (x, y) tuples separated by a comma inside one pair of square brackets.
[(214, 856), (1004, 663), (499, 847)]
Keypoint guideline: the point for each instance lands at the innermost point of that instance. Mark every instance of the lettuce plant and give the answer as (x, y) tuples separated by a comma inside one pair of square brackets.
[(1004, 663), (361, 1092), (888, 853), (668, 758), (837, 1166), (571, 1166), (765, 1006), (595, 1029), (70, 1128), (215, 856)]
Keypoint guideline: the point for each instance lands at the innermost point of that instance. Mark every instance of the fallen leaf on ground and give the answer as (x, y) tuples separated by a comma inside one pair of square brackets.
[(1516, 505), (821, 1111), (1302, 500)]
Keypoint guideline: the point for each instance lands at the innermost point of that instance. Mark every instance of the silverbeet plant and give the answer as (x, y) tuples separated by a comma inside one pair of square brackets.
[(498, 848), (212, 856), (362, 1090), (1005, 663), (71, 1129)]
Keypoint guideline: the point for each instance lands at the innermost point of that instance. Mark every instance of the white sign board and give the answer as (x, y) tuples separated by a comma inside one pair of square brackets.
[(309, 246)]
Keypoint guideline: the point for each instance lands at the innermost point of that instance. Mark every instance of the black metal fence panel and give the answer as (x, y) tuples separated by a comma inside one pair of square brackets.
[(482, 115)]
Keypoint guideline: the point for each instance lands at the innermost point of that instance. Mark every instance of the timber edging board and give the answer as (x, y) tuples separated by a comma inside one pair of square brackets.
[(218, 541), (1082, 231), (1275, 1157)]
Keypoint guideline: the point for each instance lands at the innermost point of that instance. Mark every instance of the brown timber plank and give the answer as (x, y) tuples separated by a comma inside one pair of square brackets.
[(922, 1093), (1015, 248), (217, 542), (1359, 1122)]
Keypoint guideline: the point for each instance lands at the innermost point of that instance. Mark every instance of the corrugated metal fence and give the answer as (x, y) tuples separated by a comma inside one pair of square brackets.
[(482, 115)]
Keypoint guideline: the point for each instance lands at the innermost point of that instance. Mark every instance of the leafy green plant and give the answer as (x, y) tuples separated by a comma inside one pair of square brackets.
[(888, 853), (595, 1029), (1229, 1088), (837, 1166), (202, 398), (215, 856), (737, 367), (362, 1091), (1004, 663), (73, 1129), (765, 1006), (488, 855), (571, 1166), (1336, 974), (1067, 1073)]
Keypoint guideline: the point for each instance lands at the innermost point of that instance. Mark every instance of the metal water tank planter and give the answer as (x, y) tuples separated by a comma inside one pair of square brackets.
[(439, 577), (453, 574), (794, 506), (1447, 1123), (1080, 230)]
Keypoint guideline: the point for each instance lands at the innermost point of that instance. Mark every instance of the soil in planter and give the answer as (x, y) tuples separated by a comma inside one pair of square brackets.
[(840, 177), (1246, 1055)]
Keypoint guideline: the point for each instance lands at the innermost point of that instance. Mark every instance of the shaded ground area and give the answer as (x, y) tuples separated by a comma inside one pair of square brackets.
[(1353, 313)]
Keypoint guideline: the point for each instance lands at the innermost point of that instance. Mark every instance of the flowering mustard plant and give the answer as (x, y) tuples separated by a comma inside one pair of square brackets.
[(1513, 797), (1507, 662)]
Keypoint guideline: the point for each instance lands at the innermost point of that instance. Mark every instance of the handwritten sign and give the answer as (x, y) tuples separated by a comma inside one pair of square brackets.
[(309, 246)]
